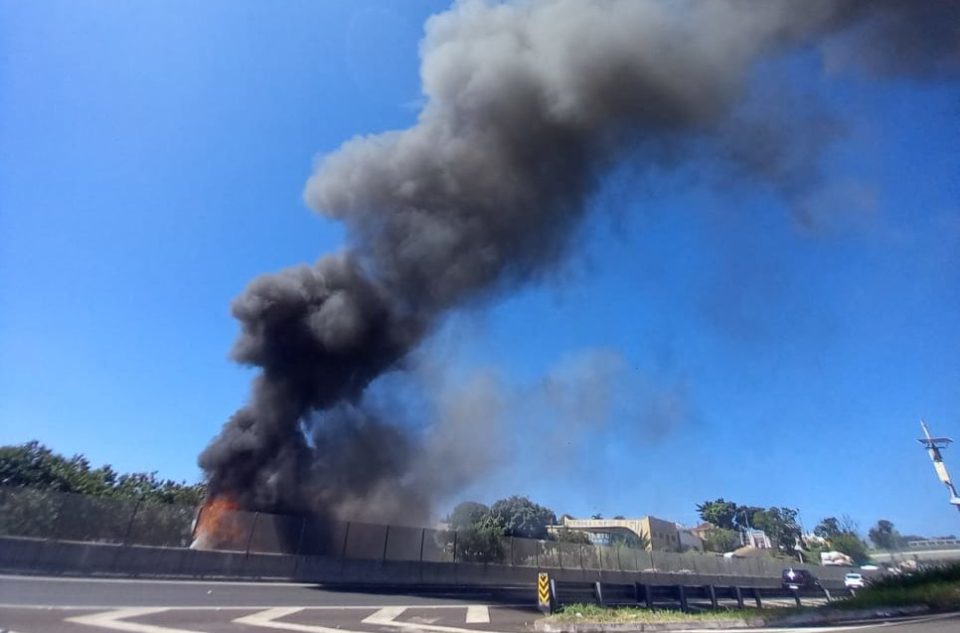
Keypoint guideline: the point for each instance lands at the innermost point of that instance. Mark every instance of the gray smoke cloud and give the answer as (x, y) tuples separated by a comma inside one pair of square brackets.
[(527, 104)]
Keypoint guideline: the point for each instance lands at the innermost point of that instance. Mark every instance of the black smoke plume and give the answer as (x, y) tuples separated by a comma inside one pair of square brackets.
[(527, 105)]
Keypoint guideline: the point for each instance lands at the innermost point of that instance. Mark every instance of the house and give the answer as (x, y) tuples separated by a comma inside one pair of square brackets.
[(659, 534)]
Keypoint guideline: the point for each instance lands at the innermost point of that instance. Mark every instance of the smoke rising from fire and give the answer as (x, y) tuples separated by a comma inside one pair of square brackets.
[(527, 105)]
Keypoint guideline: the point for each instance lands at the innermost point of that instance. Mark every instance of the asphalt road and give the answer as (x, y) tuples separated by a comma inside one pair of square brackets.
[(57, 605), (86, 592)]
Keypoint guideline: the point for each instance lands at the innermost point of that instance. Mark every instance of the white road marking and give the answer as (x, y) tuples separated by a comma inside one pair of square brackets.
[(478, 614), (237, 607), (384, 616), (267, 619), (157, 581), (112, 620), (832, 628), (387, 615)]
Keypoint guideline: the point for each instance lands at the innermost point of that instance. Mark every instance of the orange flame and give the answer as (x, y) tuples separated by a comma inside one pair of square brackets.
[(219, 525)]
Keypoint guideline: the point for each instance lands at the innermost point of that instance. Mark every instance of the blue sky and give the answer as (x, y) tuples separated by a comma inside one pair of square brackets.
[(152, 160)]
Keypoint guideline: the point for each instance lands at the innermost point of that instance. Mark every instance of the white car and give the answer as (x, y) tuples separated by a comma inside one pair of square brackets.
[(854, 581)]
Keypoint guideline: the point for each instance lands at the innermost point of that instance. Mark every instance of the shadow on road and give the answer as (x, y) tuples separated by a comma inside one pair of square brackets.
[(519, 597)]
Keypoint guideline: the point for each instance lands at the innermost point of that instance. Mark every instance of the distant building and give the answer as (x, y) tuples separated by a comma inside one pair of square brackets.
[(689, 539), (660, 534), (703, 530), (813, 539), (756, 539)]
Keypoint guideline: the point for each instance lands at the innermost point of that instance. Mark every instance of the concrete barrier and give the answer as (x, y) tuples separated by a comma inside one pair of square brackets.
[(316, 569), (150, 562), (68, 557), (19, 553), (269, 566), (25, 555)]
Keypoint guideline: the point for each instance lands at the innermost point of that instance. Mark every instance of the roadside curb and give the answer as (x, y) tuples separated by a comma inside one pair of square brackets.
[(828, 616), (840, 616), (596, 627)]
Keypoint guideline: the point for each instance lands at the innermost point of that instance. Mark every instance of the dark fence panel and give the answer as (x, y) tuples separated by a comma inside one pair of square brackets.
[(365, 541), (439, 545), (570, 555), (404, 543), (549, 554), (93, 519), (590, 555), (608, 557), (277, 534), (524, 552), (25, 512), (322, 538), (162, 524), (629, 558)]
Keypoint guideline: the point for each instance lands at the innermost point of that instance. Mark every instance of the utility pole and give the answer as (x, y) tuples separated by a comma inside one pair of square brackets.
[(933, 446)]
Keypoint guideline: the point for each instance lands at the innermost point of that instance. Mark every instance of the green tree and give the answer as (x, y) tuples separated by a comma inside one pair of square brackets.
[(746, 517), (780, 524), (566, 535), (850, 544), (467, 515), (482, 543), (720, 513), (885, 536), (721, 540), (828, 528), (33, 465), (518, 516)]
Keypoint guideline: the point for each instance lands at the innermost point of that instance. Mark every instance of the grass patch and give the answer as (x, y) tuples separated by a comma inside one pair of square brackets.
[(937, 588), (626, 615)]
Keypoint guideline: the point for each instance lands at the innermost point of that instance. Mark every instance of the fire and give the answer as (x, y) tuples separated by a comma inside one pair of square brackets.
[(219, 525)]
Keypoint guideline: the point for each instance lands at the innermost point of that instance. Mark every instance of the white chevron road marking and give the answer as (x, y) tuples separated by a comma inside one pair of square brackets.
[(114, 621), (478, 614), (386, 617), (267, 619)]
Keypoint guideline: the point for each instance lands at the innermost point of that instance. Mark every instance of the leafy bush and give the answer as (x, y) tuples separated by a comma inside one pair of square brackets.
[(936, 587)]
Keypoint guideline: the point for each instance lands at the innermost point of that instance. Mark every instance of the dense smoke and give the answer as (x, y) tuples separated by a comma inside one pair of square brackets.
[(527, 105)]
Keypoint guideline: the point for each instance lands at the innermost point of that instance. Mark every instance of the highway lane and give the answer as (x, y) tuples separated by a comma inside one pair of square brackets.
[(394, 619), (103, 592), (31, 604), (61, 605)]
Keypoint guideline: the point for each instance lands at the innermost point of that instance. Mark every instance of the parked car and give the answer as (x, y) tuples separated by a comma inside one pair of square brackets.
[(854, 581), (799, 579)]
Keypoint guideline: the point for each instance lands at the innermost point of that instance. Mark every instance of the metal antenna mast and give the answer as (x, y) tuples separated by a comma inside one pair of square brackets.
[(933, 446)]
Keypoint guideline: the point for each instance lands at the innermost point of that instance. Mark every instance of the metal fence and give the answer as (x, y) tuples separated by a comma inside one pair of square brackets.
[(72, 517)]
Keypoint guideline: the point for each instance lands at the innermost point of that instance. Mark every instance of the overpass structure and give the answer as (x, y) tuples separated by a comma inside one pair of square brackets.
[(939, 550)]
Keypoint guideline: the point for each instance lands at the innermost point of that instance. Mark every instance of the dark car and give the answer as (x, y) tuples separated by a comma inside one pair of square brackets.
[(799, 579)]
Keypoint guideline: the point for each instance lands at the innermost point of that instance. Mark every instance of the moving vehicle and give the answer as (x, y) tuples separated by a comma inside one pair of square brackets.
[(799, 579), (854, 581), (838, 559)]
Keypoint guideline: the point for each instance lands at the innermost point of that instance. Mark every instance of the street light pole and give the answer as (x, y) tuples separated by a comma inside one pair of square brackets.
[(933, 446)]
